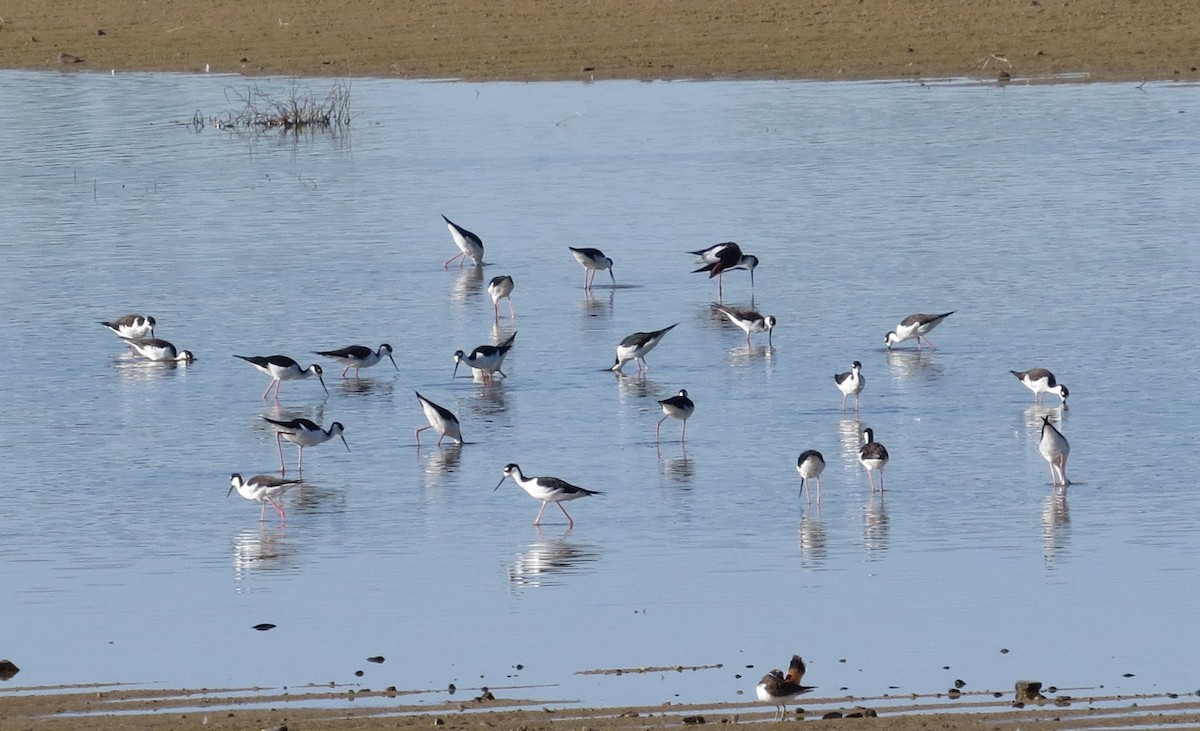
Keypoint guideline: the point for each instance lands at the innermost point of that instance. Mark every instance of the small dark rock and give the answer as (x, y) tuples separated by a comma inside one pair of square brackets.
[(101, 33), (1062, 701), (1127, 675), (520, 666), (831, 715), (376, 659), (954, 693), (69, 58), (959, 683), (1029, 691), (439, 722), (264, 626), (693, 720), (1003, 650), (452, 688), (588, 68), (245, 60), (486, 695), (358, 673), (855, 714), (8, 669)]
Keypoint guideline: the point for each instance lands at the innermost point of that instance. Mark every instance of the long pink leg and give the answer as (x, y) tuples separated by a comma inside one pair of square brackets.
[(496, 305), (512, 312), (346, 371), (446, 264), (818, 490), (439, 441), (282, 517), (570, 523), (419, 435), (269, 387), (279, 445), (658, 429), (804, 488), (871, 479), (683, 434), (927, 340), (538, 519), (262, 512)]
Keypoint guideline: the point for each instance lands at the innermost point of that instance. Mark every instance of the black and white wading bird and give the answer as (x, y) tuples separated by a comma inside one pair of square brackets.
[(748, 320), (440, 420), (469, 245), (282, 368), (1042, 382), (777, 689), (159, 350), (262, 489), (915, 326), (486, 359), (851, 384), (635, 347), (1055, 449), (720, 258), (499, 288), (547, 489), (810, 464), (873, 456), (679, 407), (132, 326), (359, 357), (303, 433), (592, 261)]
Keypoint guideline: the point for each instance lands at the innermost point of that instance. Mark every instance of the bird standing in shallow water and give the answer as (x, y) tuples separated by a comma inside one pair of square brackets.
[(851, 384), (359, 357), (915, 326), (635, 347), (748, 320), (720, 258), (132, 326), (282, 368), (679, 407), (262, 489), (873, 456), (1055, 449), (159, 350), (1042, 382), (468, 244), (547, 489), (440, 419), (810, 464), (592, 261), (499, 288), (777, 689), (487, 359), (304, 433)]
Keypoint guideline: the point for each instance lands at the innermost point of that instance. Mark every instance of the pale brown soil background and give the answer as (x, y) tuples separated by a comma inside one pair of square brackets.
[(580, 39), (601, 39)]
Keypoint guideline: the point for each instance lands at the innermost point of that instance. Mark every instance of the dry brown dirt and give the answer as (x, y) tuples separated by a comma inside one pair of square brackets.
[(581, 39)]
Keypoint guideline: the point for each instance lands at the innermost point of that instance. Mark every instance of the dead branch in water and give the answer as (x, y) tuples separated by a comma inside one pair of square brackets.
[(295, 111)]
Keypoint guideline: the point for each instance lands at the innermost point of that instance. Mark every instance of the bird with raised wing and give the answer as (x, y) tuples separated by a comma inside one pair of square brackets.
[(777, 689)]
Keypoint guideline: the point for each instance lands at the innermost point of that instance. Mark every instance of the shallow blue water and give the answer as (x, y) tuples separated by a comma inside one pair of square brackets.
[(1058, 221)]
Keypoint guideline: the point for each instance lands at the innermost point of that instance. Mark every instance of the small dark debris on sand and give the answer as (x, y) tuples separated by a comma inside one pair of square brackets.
[(8, 669)]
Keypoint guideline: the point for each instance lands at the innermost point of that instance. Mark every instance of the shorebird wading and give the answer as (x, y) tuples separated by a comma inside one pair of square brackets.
[(592, 261), (487, 359), (748, 320), (851, 384), (679, 407), (282, 368), (132, 326), (777, 689), (159, 350), (499, 288), (1042, 382), (634, 347), (1055, 449), (873, 456), (468, 245), (359, 357), (720, 258), (915, 326), (547, 489), (440, 419), (810, 464), (304, 433), (262, 489)]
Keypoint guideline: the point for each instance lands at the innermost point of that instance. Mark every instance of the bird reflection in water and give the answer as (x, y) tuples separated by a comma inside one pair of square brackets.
[(636, 386), (594, 306), (468, 285), (1034, 415), (282, 413), (441, 460), (545, 561), (677, 469), (812, 538), (913, 364), (875, 525), (134, 369), (363, 386), (260, 549), (850, 439), (1056, 527), (489, 400), (744, 355)]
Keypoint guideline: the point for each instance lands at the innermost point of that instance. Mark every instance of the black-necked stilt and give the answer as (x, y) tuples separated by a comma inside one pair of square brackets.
[(159, 350), (132, 326), (487, 359), (499, 288), (440, 419), (873, 456), (1042, 382), (851, 384), (304, 433), (468, 244), (720, 258), (282, 368), (915, 326), (748, 320), (592, 261), (810, 464), (262, 489), (1055, 449), (777, 689), (547, 489), (634, 347), (359, 357), (679, 407)]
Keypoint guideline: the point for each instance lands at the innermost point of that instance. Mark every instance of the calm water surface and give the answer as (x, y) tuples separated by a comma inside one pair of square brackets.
[(1059, 221)]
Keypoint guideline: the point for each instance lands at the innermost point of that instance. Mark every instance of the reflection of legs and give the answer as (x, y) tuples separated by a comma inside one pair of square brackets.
[(279, 445), (300, 467)]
